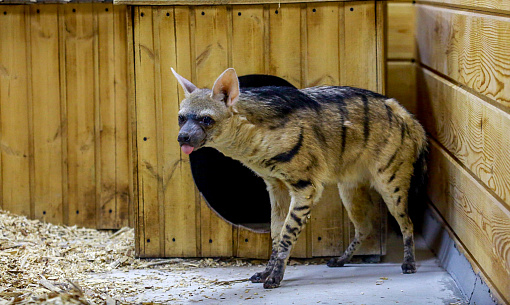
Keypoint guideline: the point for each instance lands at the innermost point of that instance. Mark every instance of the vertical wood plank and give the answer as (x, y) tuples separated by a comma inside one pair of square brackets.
[(146, 134), (358, 55), (248, 58), (107, 191), (284, 61), (211, 59), (248, 39), (323, 37), (380, 28), (79, 38), (46, 108), (14, 112), (178, 187), (285, 42), (120, 83)]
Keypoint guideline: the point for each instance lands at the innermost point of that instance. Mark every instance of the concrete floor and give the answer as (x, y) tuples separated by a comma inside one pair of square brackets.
[(381, 283)]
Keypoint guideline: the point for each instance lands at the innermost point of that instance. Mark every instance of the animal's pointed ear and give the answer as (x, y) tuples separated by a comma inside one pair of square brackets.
[(186, 85), (226, 87)]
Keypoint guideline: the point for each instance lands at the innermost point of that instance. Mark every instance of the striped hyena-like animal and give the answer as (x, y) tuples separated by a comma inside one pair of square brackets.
[(298, 140)]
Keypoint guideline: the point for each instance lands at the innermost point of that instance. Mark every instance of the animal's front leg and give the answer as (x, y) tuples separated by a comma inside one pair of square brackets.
[(280, 201), (303, 197)]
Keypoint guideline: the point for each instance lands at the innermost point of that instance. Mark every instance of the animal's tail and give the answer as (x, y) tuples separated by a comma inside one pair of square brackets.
[(417, 200)]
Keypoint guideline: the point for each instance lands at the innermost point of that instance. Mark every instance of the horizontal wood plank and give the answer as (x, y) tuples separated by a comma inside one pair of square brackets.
[(470, 48), (500, 6), (474, 131), (478, 219), (400, 30)]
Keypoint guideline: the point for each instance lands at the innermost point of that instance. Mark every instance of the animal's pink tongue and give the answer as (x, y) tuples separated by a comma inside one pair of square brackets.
[(187, 149)]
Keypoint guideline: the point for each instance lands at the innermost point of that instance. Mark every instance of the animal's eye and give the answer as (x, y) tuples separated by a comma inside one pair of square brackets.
[(182, 119), (207, 121)]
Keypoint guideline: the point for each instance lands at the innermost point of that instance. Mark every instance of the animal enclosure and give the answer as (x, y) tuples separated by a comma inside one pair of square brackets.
[(307, 44)]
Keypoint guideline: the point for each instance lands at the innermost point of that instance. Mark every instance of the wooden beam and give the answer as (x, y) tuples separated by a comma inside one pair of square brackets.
[(401, 30), (222, 2), (496, 6), (473, 131), (479, 220), (469, 48), (401, 83)]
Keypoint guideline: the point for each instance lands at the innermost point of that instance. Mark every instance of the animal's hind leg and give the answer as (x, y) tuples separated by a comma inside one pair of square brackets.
[(357, 202), (394, 187), (280, 202)]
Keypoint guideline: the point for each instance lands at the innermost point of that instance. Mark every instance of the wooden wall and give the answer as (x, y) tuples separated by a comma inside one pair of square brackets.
[(63, 114), (401, 55), (464, 103), (322, 43)]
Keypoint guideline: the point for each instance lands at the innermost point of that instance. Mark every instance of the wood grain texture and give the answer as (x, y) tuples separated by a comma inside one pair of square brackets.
[(358, 53), (323, 37), (401, 30), (248, 40), (401, 83), (215, 2), (112, 186), (499, 6), (472, 130), (48, 128), (211, 59), (253, 39), (285, 42), (179, 191), (79, 39), (14, 112), (148, 174), (468, 47), (479, 220)]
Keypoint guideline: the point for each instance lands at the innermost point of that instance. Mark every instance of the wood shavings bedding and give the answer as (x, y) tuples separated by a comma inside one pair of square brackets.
[(41, 263)]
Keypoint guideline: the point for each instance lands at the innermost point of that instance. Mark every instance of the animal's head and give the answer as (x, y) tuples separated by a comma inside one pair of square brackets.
[(203, 112)]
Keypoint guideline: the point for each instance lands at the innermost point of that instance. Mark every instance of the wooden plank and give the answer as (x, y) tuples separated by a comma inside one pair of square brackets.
[(47, 124), (498, 6), (248, 39), (248, 58), (14, 112), (479, 220), (123, 166), (470, 48), (327, 224), (112, 210), (401, 83), (211, 59), (253, 244), (323, 68), (216, 232), (358, 53), (323, 41), (401, 30), (285, 42), (381, 25), (148, 175), (79, 38), (106, 212), (215, 2), (472, 130), (179, 191)]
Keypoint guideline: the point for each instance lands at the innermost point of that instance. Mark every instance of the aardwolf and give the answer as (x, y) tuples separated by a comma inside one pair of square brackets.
[(298, 140)]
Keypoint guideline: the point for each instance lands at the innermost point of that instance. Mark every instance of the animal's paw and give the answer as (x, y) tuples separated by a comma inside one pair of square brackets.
[(409, 267), (259, 277), (336, 262), (273, 280)]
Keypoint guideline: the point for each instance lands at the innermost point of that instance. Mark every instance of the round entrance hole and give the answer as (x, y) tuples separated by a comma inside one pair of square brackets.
[(230, 188)]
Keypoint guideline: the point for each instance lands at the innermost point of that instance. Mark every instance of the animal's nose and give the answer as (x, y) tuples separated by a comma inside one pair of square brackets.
[(183, 138)]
